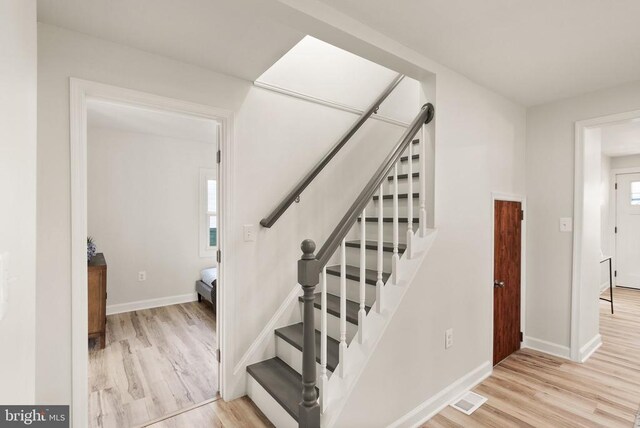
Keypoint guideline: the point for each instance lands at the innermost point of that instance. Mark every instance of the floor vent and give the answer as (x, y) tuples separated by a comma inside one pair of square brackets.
[(469, 402)]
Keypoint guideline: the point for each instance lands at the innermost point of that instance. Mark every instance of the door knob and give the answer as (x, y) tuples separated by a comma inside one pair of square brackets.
[(498, 284)]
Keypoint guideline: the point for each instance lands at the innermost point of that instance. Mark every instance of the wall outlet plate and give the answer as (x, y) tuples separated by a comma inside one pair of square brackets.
[(249, 233), (142, 275), (566, 224), (448, 338)]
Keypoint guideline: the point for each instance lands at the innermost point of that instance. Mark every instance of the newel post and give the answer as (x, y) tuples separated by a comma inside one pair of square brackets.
[(308, 278)]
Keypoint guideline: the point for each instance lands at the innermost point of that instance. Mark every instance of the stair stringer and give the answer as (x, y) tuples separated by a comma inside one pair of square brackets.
[(375, 324)]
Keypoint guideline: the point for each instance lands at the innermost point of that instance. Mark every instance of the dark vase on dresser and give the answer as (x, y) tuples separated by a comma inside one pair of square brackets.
[(97, 293)]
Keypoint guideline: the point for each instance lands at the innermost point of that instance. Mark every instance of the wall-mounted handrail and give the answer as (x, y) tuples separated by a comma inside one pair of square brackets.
[(311, 175), (340, 232)]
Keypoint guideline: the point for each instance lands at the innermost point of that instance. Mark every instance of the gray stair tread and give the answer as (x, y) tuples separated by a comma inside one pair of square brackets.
[(333, 307), (282, 382), (353, 273), (404, 176), (373, 245), (390, 219), (406, 158), (400, 196), (293, 335)]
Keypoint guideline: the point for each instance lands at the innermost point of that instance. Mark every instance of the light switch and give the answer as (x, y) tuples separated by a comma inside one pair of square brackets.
[(566, 224), (249, 232)]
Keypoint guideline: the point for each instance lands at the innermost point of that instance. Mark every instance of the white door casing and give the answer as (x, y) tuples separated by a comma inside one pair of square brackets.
[(628, 230)]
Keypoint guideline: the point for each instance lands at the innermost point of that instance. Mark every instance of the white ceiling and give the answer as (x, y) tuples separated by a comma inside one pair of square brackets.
[(232, 37), (128, 118), (621, 139), (530, 51)]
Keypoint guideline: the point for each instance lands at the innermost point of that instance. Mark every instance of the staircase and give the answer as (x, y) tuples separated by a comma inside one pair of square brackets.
[(351, 288)]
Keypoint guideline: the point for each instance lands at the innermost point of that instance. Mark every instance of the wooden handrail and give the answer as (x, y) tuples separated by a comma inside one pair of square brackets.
[(340, 232), (311, 175)]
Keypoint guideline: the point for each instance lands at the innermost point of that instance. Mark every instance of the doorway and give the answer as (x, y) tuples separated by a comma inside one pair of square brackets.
[(507, 271), (80, 92), (627, 230)]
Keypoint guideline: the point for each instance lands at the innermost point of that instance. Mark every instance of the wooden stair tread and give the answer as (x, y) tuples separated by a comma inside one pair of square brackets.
[(390, 219), (373, 245), (404, 176), (353, 273), (282, 382), (400, 196), (293, 335), (333, 306)]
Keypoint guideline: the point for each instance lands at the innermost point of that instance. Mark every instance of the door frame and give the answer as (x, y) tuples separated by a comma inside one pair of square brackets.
[(613, 209), (578, 353), (80, 90), (508, 197)]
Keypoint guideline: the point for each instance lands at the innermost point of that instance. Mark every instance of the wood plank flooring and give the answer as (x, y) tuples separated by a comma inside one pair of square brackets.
[(532, 389), (155, 362), (238, 413)]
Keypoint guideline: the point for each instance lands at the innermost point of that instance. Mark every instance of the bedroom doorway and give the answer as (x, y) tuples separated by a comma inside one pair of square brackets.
[(148, 189)]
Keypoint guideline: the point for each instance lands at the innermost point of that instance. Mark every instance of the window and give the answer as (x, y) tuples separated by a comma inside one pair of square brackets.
[(208, 213), (635, 193)]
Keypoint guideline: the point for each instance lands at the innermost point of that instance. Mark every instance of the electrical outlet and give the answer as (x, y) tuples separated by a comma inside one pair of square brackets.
[(249, 232), (142, 275), (566, 224), (448, 338)]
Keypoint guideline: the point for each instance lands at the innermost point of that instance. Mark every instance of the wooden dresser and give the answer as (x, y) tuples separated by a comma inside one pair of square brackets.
[(97, 291)]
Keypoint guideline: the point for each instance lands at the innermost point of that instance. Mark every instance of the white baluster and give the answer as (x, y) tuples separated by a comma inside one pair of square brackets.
[(324, 377), (423, 183), (410, 204), (362, 313), (379, 282), (343, 307), (396, 256)]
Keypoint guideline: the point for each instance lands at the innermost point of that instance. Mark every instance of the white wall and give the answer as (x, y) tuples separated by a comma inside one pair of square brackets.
[(550, 180), (143, 211), (277, 140), (317, 69), (620, 162), (18, 86), (454, 287)]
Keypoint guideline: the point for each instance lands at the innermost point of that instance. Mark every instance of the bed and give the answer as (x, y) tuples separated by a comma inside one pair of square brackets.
[(206, 285)]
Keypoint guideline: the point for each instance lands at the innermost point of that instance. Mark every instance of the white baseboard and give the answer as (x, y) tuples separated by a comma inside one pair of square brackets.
[(590, 347), (604, 286), (442, 399), (547, 347), (151, 303)]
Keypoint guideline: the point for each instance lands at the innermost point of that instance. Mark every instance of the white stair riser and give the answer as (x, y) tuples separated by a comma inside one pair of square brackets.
[(387, 207), (403, 167), (333, 326), (292, 356), (371, 260), (353, 290), (403, 186), (371, 232), (268, 405)]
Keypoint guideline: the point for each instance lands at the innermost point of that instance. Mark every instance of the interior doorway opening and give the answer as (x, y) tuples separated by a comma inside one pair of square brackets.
[(121, 191), (606, 226)]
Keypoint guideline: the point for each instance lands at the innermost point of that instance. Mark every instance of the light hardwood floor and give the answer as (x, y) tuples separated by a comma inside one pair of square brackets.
[(239, 413), (534, 389), (155, 362)]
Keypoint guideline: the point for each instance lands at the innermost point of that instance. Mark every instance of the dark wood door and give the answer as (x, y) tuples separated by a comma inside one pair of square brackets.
[(506, 274)]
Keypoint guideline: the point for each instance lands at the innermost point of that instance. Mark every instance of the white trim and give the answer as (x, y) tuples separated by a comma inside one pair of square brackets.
[(79, 91), (546, 347), (140, 305), (325, 102), (591, 346), (578, 197), (497, 196), (443, 398)]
